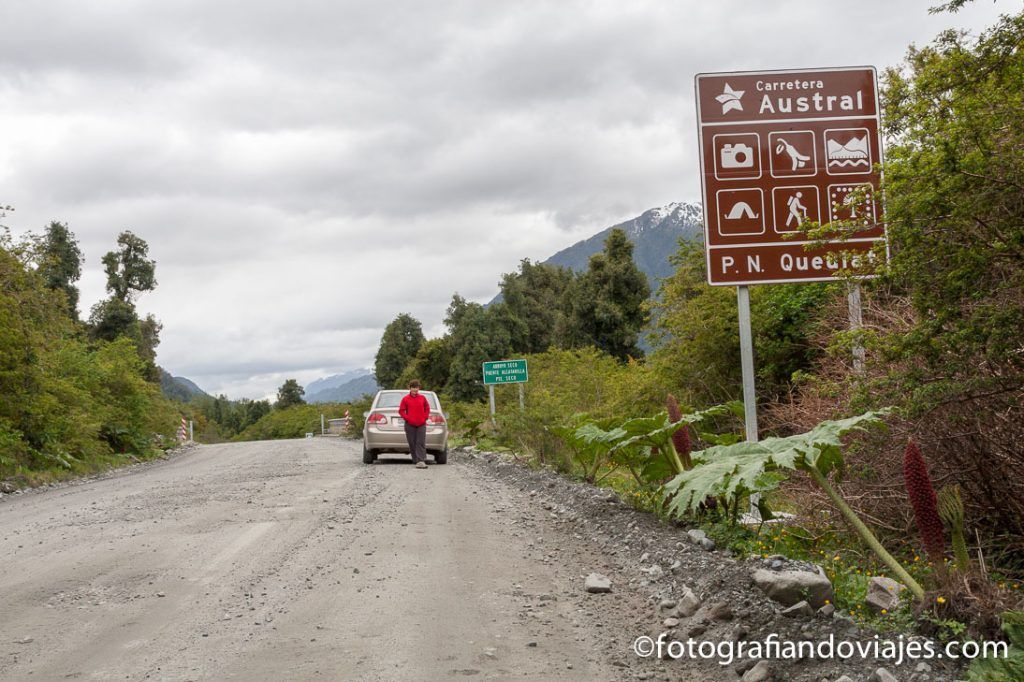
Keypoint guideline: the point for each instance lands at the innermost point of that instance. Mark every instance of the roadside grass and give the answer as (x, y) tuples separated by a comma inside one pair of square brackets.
[(68, 468)]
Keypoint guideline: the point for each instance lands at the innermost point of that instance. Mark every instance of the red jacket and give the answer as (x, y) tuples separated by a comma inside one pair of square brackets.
[(414, 409)]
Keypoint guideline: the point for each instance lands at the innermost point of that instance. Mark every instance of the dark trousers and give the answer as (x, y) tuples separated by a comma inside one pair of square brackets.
[(417, 438)]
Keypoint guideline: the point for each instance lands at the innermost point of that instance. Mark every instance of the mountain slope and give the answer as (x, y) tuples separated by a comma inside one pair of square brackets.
[(334, 381), (350, 390), (178, 388), (655, 235)]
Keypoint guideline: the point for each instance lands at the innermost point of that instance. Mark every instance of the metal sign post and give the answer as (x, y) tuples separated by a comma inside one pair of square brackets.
[(747, 364), (747, 368), (490, 391), (856, 322)]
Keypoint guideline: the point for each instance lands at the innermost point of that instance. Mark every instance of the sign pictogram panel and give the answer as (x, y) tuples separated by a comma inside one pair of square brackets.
[(781, 150)]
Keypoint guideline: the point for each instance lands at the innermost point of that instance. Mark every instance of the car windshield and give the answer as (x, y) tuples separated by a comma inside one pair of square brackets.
[(393, 398)]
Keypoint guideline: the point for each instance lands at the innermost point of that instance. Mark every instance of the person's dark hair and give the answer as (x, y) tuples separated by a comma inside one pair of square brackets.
[(415, 383)]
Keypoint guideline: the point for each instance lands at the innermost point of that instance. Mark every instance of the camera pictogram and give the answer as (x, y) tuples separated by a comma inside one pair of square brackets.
[(737, 156)]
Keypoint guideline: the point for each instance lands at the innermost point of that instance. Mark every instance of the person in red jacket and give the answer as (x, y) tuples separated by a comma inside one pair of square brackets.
[(415, 410)]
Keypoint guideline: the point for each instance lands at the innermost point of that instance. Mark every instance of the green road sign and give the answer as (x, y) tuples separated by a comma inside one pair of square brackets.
[(505, 372)]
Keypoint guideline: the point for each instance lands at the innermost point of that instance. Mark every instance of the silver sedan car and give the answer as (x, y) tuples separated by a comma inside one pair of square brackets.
[(384, 430)]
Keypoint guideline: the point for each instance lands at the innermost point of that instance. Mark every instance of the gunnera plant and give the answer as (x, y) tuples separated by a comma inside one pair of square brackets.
[(923, 500), (951, 511)]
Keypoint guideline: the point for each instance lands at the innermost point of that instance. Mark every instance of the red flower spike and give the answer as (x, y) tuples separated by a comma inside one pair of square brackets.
[(681, 438), (922, 498)]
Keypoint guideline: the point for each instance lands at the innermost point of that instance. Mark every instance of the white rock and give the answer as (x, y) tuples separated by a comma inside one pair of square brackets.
[(689, 603), (791, 587), (596, 583), (696, 536), (883, 593), (882, 675), (759, 673), (799, 609)]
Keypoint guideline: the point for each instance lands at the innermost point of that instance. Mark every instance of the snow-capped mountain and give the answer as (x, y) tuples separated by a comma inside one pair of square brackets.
[(655, 235)]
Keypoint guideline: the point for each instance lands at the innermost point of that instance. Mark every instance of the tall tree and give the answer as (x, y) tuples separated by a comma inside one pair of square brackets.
[(476, 335), (431, 364), (289, 394), (604, 307), (60, 262), (129, 273), (532, 297), (129, 270), (401, 340)]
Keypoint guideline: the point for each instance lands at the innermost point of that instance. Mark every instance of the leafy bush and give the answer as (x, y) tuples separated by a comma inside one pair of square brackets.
[(292, 422)]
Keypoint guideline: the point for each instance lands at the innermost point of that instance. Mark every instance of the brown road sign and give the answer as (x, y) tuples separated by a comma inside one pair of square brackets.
[(780, 150)]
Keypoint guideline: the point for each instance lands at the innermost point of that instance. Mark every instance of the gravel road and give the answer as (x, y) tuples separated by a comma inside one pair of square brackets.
[(293, 560)]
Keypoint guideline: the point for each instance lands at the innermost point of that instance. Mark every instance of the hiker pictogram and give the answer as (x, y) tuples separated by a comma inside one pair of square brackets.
[(794, 207)]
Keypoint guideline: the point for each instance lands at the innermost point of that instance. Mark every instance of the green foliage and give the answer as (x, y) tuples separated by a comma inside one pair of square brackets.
[(954, 182), (129, 273), (697, 337), (59, 262), (951, 511), (67, 406), (292, 422), (431, 365), (357, 416), (224, 418), (996, 669), (643, 445), (129, 270), (733, 471), (745, 468), (289, 395), (532, 299), (476, 335), (402, 339), (604, 307)]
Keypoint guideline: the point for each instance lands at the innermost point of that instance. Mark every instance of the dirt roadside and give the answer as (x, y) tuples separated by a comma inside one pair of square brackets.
[(293, 560)]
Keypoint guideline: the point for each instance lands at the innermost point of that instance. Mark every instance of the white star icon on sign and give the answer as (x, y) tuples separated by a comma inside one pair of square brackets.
[(730, 99)]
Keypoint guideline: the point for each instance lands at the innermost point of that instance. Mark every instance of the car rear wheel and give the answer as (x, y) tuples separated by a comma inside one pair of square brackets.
[(368, 455), (441, 457)]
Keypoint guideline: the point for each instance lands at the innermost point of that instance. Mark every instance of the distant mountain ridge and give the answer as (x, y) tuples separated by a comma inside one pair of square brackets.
[(655, 235), (179, 388), (342, 388), (335, 380)]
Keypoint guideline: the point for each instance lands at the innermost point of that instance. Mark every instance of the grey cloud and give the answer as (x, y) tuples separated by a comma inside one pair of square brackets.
[(304, 172)]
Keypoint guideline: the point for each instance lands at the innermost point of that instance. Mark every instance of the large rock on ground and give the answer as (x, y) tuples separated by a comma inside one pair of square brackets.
[(883, 594), (597, 583), (792, 587), (688, 603)]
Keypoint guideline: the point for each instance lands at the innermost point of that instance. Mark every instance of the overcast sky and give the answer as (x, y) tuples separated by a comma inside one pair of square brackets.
[(305, 171)]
